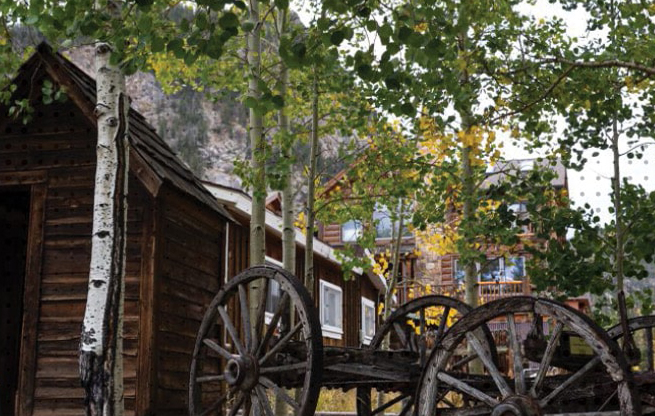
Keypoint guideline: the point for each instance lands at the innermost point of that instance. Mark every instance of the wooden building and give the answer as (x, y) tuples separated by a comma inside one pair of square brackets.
[(346, 322), (176, 245)]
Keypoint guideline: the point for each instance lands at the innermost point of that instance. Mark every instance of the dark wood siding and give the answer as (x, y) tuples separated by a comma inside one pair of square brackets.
[(59, 142), (189, 275)]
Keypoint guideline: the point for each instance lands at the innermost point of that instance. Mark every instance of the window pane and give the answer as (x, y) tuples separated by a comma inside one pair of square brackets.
[(459, 272), (382, 223), (515, 268), (491, 271), (351, 230), (369, 321), (273, 296)]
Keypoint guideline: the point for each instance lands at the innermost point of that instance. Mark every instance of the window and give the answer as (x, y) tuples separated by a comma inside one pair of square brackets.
[(351, 231), (272, 300), (368, 320), (274, 293), (515, 268), (458, 271), (491, 271), (495, 270), (383, 224), (331, 306)]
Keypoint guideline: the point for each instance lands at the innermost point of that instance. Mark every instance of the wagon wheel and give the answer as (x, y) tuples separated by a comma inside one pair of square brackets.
[(642, 328), (246, 370), (431, 315), (602, 384)]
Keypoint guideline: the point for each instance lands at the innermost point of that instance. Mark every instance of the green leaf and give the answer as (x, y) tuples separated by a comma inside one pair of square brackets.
[(337, 37), (385, 31), (144, 3), (145, 23), (190, 58), (228, 20), (323, 23), (250, 102), (176, 46), (247, 26), (408, 109), (282, 4), (241, 5), (214, 48), (158, 44), (278, 101), (201, 21)]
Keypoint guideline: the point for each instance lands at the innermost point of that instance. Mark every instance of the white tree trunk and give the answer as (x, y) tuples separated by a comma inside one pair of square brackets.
[(101, 347), (310, 215), (257, 143)]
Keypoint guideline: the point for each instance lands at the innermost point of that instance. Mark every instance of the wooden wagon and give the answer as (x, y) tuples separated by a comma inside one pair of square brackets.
[(560, 361)]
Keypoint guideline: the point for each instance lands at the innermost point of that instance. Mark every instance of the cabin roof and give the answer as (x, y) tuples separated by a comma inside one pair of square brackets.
[(145, 143), (241, 202)]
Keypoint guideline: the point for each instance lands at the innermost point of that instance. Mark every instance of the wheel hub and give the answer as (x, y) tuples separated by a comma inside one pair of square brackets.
[(517, 406), (242, 371)]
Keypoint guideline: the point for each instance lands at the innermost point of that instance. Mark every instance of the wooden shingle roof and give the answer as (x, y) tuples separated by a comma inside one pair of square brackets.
[(146, 145)]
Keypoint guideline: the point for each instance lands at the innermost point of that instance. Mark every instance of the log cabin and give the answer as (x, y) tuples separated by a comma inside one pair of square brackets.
[(182, 245), (350, 320), (175, 251)]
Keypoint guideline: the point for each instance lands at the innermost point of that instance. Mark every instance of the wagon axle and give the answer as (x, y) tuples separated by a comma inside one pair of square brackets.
[(519, 405), (242, 372)]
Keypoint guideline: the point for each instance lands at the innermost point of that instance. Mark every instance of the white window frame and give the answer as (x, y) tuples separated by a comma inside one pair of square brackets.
[(367, 303), (268, 316), (331, 331)]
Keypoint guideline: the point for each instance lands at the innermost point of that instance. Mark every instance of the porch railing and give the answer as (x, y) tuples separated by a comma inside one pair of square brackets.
[(488, 291)]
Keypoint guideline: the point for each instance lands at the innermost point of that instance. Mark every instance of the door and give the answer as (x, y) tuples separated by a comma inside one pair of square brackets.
[(14, 226)]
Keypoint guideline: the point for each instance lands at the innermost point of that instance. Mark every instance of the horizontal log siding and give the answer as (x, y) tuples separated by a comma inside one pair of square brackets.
[(190, 269)]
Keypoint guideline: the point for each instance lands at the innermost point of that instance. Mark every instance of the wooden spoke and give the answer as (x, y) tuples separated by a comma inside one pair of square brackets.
[(401, 334), (214, 406), (515, 344), (442, 322), (422, 345), (245, 316), (649, 349), (281, 343), (464, 361), (230, 329), (261, 318), (214, 346), (284, 368), (467, 389), (546, 359), (484, 356), (237, 405), (568, 382), (407, 407), (263, 401), (210, 378), (390, 403), (279, 392), (448, 402), (282, 306)]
